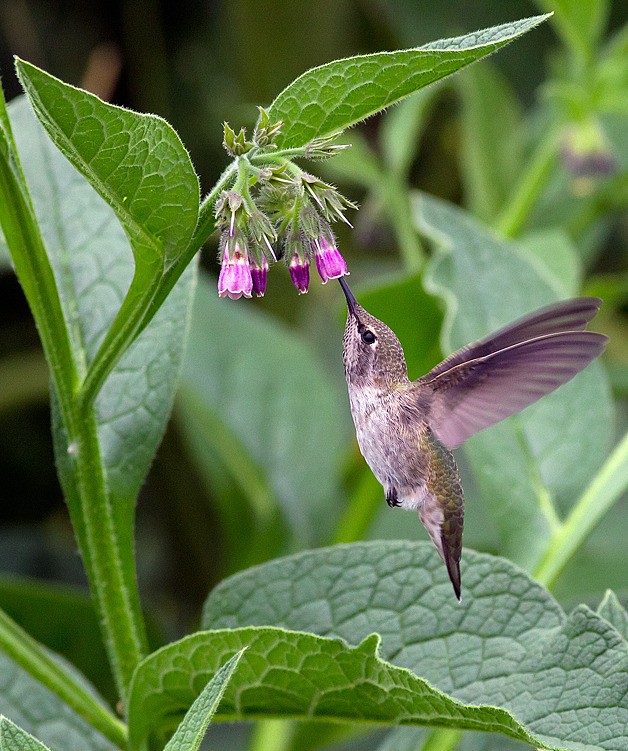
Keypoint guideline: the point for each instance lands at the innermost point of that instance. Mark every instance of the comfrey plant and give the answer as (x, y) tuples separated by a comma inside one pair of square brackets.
[(274, 210), (102, 218)]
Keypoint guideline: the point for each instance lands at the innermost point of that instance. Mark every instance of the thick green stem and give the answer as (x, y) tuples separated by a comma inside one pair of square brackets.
[(113, 584), (607, 486), (39, 663), (514, 215)]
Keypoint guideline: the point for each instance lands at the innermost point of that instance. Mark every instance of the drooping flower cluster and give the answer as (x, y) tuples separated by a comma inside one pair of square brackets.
[(275, 211)]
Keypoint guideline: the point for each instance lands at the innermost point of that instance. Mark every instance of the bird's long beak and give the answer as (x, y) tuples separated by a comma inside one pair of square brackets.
[(352, 303)]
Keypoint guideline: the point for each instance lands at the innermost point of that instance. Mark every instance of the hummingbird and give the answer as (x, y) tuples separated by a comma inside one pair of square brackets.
[(406, 430)]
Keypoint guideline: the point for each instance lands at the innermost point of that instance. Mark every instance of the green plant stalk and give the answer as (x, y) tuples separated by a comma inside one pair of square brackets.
[(38, 662), (442, 739), (113, 584), (397, 201), (272, 735), (606, 487), (512, 218)]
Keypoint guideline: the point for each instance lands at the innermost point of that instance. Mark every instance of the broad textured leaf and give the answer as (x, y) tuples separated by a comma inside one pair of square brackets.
[(611, 609), (136, 162), (13, 738), (265, 390), (509, 644), (36, 709), (189, 734), (93, 266), (341, 93), (540, 459), (288, 674)]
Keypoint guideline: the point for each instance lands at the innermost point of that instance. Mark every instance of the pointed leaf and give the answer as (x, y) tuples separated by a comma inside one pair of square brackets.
[(507, 644), (611, 609), (136, 162), (288, 674), (553, 447), (189, 734), (13, 738), (339, 94)]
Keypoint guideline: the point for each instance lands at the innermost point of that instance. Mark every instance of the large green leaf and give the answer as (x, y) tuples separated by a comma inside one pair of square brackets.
[(508, 644), (289, 674), (32, 706), (189, 734), (261, 393), (13, 738), (339, 94), (531, 465), (136, 162), (611, 609)]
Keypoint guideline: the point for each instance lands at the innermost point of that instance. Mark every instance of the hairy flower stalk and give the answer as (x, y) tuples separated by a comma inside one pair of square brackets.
[(259, 273), (300, 273)]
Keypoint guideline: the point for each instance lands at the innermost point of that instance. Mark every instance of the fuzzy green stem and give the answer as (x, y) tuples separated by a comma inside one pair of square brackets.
[(272, 735), (39, 663), (514, 215), (397, 198), (113, 584), (607, 486), (443, 739)]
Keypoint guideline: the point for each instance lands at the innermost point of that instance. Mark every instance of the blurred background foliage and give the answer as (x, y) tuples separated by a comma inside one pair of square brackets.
[(260, 457)]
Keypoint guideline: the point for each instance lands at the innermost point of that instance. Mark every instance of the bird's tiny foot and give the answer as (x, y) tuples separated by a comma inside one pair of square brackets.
[(391, 498)]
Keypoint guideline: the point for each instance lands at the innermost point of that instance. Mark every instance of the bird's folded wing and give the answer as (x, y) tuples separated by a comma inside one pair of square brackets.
[(478, 392)]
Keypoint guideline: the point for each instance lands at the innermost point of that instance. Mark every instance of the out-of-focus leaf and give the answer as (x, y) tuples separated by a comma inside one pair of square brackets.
[(40, 712), (339, 94), (491, 130), (555, 256), (62, 619), (611, 609), (260, 390), (401, 129), (530, 464), (581, 24), (190, 733), (507, 644)]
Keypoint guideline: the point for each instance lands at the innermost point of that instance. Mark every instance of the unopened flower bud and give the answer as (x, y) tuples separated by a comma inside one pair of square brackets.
[(259, 273), (329, 263), (300, 273)]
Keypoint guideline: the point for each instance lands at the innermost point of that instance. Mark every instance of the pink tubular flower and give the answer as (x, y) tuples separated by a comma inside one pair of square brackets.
[(235, 277), (300, 273), (329, 262), (258, 275)]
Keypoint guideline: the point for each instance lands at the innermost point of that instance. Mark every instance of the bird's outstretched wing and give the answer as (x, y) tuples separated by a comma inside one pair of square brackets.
[(490, 380)]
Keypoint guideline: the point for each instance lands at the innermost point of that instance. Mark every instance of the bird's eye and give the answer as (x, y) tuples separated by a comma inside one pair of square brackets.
[(368, 337)]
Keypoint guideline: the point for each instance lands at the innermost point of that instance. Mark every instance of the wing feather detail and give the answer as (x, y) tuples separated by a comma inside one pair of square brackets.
[(475, 393)]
